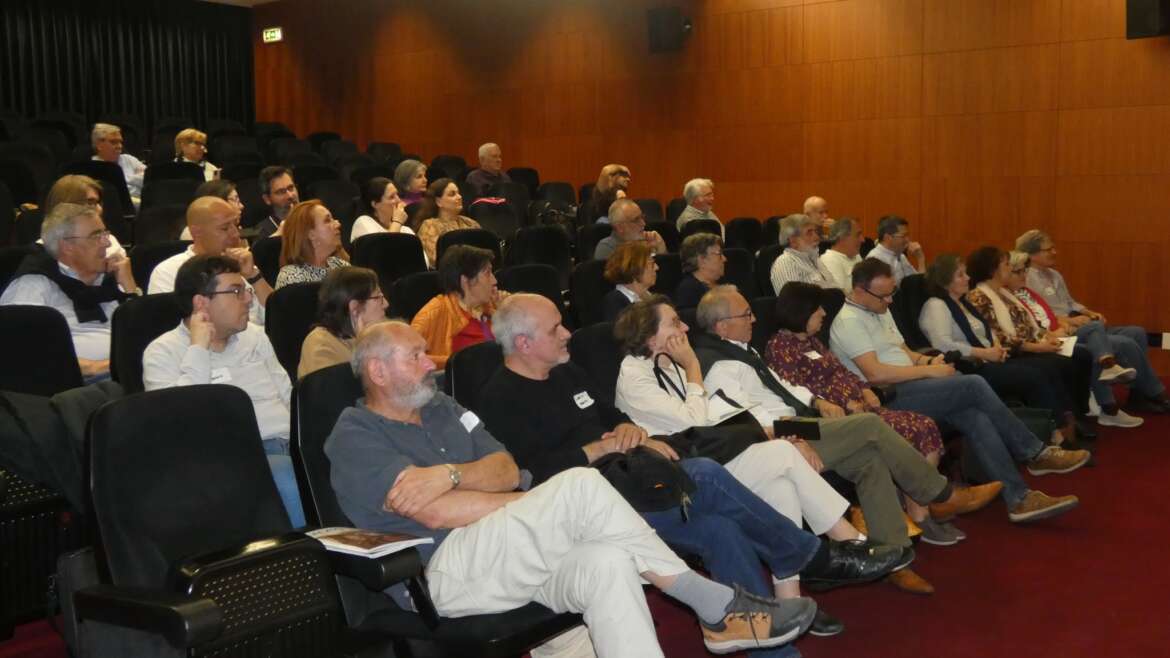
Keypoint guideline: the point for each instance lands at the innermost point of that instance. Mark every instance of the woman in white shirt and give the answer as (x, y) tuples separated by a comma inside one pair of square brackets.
[(384, 210), (191, 146)]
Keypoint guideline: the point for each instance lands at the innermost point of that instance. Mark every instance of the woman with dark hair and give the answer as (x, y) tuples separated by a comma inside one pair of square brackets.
[(348, 302), (1025, 341), (440, 214), (461, 315), (633, 271), (310, 244), (384, 210), (410, 178), (702, 258)]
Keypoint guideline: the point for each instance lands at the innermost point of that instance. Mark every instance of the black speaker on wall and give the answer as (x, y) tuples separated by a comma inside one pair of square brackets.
[(668, 29), (1146, 18)]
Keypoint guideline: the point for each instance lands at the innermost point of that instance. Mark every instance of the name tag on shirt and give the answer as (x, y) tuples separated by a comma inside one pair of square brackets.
[(221, 376), (583, 400), (813, 354), (469, 420)]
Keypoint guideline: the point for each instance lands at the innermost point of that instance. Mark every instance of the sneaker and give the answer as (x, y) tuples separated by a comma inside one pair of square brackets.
[(1116, 374), (959, 534), (754, 622), (1058, 460), (937, 533), (1119, 419), (1038, 505), (1094, 408)]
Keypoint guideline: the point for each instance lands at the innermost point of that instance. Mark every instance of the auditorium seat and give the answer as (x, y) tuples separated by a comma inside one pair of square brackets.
[(412, 292), (517, 195), (764, 259), (475, 237), (764, 309), (909, 299), (266, 255), (390, 255), (468, 371), (701, 226), (652, 208), (675, 208), (738, 271), (135, 324), (594, 349), (449, 166), (307, 174), (558, 191), (165, 171), (548, 244), (318, 140), (744, 233), (160, 223), (499, 218), (36, 349), (288, 317), (362, 175), (669, 274), (145, 257), (220, 126), (587, 289), (282, 148), (104, 172), (587, 238), (337, 149), (526, 176), (534, 278), (669, 233), (383, 151)]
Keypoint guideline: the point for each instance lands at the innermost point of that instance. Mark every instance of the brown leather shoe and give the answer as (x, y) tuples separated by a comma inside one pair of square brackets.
[(965, 500), (908, 581), (857, 519)]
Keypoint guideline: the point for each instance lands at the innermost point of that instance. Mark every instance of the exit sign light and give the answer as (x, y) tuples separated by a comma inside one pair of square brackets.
[(272, 35)]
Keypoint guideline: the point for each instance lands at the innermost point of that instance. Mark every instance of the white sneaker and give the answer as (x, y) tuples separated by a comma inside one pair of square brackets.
[(1115, 374), (1120, 419), (1094, 408)]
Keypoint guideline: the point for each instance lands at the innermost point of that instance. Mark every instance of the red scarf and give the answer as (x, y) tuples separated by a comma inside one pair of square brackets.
[(1053, 322)]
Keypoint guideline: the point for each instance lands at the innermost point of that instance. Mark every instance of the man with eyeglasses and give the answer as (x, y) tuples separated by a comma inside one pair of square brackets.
[(894, 245), (865, 339), (215, 231), (215, 344), (629, 224), (800, 261), (279, 192), (107, 146), (74, 276)]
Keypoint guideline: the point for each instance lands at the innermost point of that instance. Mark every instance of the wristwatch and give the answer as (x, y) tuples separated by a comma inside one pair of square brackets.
[(253, 279), (455, 475)]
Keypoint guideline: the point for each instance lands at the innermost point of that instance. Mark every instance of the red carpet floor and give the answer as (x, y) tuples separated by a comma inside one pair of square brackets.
[(1093, 583)]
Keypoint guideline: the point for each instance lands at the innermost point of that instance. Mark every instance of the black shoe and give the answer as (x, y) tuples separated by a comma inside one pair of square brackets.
[(1147, 405), (1085, 431), (825, 625), (853, 562)]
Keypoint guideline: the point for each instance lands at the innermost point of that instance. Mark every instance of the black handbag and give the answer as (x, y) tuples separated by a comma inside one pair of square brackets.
[(647, 480)]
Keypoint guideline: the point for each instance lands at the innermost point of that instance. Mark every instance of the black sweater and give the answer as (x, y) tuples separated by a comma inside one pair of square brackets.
[(544, 424)]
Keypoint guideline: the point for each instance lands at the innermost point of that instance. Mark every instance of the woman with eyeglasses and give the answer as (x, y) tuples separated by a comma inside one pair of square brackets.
[(632, 270), (1004, 317), (703, 263), (350, 300), (191, 146), (84, 191)]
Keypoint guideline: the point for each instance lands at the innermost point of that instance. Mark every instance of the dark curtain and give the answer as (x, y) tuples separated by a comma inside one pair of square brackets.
[(141, 57)]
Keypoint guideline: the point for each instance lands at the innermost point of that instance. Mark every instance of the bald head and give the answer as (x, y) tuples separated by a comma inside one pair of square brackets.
[(214, 224), (390, 358)]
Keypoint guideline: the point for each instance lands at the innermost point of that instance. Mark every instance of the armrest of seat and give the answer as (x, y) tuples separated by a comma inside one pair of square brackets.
[(378, 573), (184, 621)]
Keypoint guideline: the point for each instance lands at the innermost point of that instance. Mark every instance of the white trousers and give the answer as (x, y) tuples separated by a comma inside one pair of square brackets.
[(777, 473), (572, 544)]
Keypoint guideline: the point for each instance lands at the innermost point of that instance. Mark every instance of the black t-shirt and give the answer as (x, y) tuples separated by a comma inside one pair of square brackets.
[(544, 424), (690, 290)]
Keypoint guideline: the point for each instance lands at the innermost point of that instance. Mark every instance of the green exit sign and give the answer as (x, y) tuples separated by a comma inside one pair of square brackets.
[(272, 35)]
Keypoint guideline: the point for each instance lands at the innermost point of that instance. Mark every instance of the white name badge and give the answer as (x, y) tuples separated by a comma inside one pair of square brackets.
[(813, 354), (469, 420), (583, 400), (221, 376)]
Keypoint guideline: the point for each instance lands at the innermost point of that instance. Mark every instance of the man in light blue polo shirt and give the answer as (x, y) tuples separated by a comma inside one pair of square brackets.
[(865, 338)]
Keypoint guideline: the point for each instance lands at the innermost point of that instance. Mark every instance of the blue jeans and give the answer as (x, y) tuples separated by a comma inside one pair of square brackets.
[(996, 437), (286, 480), (732, 530)]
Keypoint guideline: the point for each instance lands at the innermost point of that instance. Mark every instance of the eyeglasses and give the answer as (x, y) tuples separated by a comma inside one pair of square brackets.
[(241, 292), (889, 298), (96, 235), (741, 316)]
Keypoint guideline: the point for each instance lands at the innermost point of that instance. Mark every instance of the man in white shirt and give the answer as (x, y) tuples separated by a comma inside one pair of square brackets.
[(215, 344), (215, 231), (860, 447), (894, 245), (75, 277), (699, 194), (107, 144), (840, 258), (800, 260)]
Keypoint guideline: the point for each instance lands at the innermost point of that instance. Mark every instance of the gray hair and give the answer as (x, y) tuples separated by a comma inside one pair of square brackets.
[(511, 320), (714, 306), (1032, 241), (889, 225), (694, 247), (615, 209), (484, 148), (404, 172), (102, 131), (791, 225), (694, 187), (1019, 259), (375, 342), (61, 222), (842, 228)]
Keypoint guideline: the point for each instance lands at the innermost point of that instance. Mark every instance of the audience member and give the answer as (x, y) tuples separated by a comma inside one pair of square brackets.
[(409, 459), (613, 183), (384, 210), (220, 188), (801, 259), (845, 252), (702, 265), (629, 224), (1128, 342), (279, 192), (633, 271), (349, 301), (490, 171), (567, 424), (311, 245), (74, 276), (215, 344), (107, 146), (865, 338), (410, 178), (894, 245), (84, 191), (191, 146), (215, 231), (439, 213), (699, 194), (818, 210), (462, 314)]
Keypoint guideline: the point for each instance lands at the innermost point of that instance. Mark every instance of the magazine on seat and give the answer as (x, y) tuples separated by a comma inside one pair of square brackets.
[(366, 543)]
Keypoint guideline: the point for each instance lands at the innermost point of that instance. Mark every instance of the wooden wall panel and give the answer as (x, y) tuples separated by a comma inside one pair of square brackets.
[(975, 119)]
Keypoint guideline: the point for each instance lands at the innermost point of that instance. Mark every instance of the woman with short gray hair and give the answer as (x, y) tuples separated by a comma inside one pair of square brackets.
[(703, 262)]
